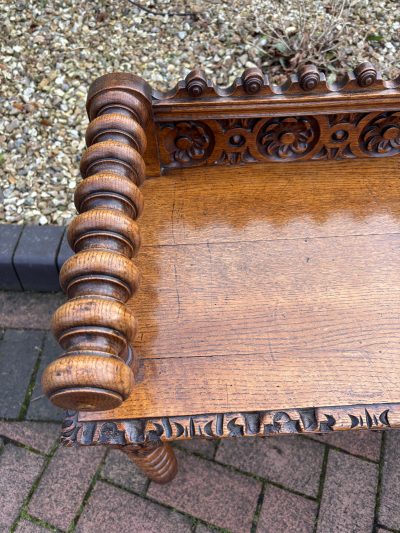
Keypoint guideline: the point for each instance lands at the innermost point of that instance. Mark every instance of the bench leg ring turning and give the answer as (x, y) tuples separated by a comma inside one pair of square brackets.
[(157, 462)]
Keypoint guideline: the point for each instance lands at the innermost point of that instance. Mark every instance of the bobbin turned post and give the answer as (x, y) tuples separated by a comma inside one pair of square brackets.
[(158, 461), (94, 327)]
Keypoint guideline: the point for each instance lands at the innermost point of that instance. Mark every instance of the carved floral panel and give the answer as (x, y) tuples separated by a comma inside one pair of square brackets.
[(279, 139)]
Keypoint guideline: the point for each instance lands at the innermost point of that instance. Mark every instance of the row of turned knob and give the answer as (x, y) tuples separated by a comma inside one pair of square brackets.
[(254, 79), (94, 327)]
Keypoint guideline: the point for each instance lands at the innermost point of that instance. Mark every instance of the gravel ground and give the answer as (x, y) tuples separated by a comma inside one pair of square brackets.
[(51, 50)]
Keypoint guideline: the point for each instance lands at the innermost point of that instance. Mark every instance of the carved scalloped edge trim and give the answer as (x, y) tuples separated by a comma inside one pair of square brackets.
[(140, 432), (253, 82)]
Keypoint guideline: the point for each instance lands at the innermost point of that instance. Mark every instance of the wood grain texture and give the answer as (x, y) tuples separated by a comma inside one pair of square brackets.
[(267, 291), (270, 202)]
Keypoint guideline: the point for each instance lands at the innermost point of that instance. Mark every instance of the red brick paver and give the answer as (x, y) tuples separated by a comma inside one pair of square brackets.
[(28, 527), (112, 510), (283, 512), (389, 510), (64, 485), (203, 447), (121, 470), (40, 407), (28, 310), (210, 492), (364, 443), (348, 500), (201, 528), (289, 460), (40, 436), (19, 468), (19, 350)]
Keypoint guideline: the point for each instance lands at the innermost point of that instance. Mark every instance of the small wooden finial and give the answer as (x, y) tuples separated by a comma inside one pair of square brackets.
[(366, 74), (253, 80), (309, 77), (196, 83)]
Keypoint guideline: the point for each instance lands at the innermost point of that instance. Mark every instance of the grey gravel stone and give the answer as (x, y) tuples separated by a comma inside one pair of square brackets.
[(51, 51)]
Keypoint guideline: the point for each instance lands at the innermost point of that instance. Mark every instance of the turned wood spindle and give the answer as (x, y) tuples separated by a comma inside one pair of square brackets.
[(94, 327), (158, 463)]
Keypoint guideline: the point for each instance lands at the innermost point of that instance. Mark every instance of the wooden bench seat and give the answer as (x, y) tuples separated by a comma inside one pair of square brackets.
[(269, 299), (267, 288)]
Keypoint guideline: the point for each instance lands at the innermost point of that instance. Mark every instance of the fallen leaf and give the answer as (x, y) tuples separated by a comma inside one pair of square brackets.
[(375, 37)]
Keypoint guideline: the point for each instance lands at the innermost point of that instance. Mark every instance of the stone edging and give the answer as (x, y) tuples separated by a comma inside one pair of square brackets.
[(31, 257)]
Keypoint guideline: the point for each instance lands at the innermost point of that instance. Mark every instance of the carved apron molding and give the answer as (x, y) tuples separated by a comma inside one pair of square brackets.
[(144, 432)]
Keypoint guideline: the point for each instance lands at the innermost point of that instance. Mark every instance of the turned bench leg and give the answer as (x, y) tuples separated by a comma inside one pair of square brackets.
[(158, 463)]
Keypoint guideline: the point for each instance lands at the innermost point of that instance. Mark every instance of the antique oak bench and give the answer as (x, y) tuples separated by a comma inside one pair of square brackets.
[(269, 298)]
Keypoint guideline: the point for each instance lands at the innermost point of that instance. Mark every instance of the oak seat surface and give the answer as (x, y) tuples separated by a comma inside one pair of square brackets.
[(267, 287)]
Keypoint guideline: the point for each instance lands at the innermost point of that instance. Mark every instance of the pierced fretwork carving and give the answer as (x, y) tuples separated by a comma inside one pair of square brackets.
[(381, 136), (280, 139)]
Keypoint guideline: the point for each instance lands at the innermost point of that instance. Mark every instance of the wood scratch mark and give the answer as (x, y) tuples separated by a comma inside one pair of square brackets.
[(271, 352), (211, 273), (173, 215), (177, 291), (209, 253)]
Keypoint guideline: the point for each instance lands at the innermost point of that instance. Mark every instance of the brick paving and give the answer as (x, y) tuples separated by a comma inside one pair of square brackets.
[(342, 482), (389, 509), (282, 460), (348, 501), (64, 484), (211, 492), (284, 511)]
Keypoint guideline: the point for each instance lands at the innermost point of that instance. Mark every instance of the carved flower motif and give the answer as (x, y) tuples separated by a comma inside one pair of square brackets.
[(382, 135), (288, 138), (186, 142)]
